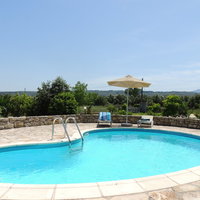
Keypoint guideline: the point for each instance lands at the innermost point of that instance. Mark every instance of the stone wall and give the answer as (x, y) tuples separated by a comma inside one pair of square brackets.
[(17, 122)]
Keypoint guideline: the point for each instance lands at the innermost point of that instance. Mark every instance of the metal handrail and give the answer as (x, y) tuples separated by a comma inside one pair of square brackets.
[(64, 127), (73, 118)]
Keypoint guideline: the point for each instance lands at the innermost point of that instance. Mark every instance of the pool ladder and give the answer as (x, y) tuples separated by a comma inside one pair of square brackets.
[(64, 123)]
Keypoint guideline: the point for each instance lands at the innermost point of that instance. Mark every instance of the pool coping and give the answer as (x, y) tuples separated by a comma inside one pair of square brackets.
[(98, 189)]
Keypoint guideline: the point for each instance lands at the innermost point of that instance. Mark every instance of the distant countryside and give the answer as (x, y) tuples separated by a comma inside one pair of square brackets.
[(57, 97)]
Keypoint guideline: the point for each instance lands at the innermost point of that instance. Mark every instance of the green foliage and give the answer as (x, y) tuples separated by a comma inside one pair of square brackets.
[(111, 108), (4, 104), (122, 112), (196, 112), (157, 99), (57, 86), (133, 92), (48, 91), (80, 93), (92, 109), (123, 107), (100, 101), (174, 106), (54, 97), (43, 99), (90, 99), (111, 99), (63, 103), (194, 102), (119, 99), (20, 105), (155, 108), (1, 111)]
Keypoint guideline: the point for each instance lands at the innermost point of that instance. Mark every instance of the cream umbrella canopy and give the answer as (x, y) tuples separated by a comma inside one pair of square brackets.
[(128, 82)]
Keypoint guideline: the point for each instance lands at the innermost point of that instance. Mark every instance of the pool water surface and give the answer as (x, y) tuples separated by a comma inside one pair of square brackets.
[(107, 155)]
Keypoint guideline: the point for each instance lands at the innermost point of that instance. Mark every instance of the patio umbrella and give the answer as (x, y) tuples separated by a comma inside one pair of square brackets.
[(128, 82)]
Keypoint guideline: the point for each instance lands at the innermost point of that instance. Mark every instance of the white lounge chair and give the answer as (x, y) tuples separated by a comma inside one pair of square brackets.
[(104, 117), (146, 120)]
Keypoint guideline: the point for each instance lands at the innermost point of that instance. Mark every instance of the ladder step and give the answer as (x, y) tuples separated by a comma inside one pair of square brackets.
[(64, 123)]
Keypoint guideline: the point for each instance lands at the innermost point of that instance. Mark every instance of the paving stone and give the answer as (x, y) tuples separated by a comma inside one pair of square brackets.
[(142, 196), (43, 134), (191, 195), (167, 194), (186, 188)]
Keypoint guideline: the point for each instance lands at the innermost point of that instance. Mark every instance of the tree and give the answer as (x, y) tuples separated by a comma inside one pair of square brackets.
[(174, 106), (120, 99), (155, 108), (57, 86), (80, 93), (43, 99), (4, 104), (194, 102), (20, 105), (111, 99), (100, 100), (111, 108), (133, 92), (48, 91), (63, 103), (157, 99), (91, 98)]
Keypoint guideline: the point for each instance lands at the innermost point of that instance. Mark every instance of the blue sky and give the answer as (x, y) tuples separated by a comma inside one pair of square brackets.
[(94, 41)]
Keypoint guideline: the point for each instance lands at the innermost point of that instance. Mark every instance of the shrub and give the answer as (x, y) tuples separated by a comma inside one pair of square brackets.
[(63, 103), (20, 105), (80, 93), (111, 108), (47, 92), (155, 108), (174, 106)]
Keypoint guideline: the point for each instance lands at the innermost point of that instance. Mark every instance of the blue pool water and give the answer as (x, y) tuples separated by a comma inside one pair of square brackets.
[(111, 154)]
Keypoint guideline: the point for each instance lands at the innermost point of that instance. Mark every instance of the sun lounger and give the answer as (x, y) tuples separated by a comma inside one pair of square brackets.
[(104, 117), (145, 120)]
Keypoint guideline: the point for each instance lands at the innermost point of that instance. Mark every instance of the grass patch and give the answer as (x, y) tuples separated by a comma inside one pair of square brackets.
[(93, 109)]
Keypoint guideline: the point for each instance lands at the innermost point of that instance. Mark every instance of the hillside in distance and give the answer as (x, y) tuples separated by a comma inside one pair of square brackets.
[(197, 91), (116, 92), (148, 93), (30, 93)]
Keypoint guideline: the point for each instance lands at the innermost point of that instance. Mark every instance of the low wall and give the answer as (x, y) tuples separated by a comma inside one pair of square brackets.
[(17, 122)]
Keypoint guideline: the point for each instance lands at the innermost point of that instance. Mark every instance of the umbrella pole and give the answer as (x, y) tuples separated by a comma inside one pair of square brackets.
[(127, 106)]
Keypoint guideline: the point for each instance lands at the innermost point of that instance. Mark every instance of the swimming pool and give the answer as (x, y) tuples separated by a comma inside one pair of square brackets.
[(109, 154)]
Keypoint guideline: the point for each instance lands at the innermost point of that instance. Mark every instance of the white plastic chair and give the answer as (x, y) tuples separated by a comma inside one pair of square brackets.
[(146, 120)]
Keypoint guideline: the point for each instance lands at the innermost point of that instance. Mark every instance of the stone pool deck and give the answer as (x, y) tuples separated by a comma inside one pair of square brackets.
[(181, 185)]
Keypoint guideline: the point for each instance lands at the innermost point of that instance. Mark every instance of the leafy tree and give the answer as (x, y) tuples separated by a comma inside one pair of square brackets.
[(111, 108), (4, 104), (157, 99), (111, 99), (20, 105), (155, 108), (91, 98), (48, 91), (63, 103), (1, 111), (80, 93), (43, 98), (174, 106), (120, 99), (100, 100), (194, 102), (133, 92), (57, 86)]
